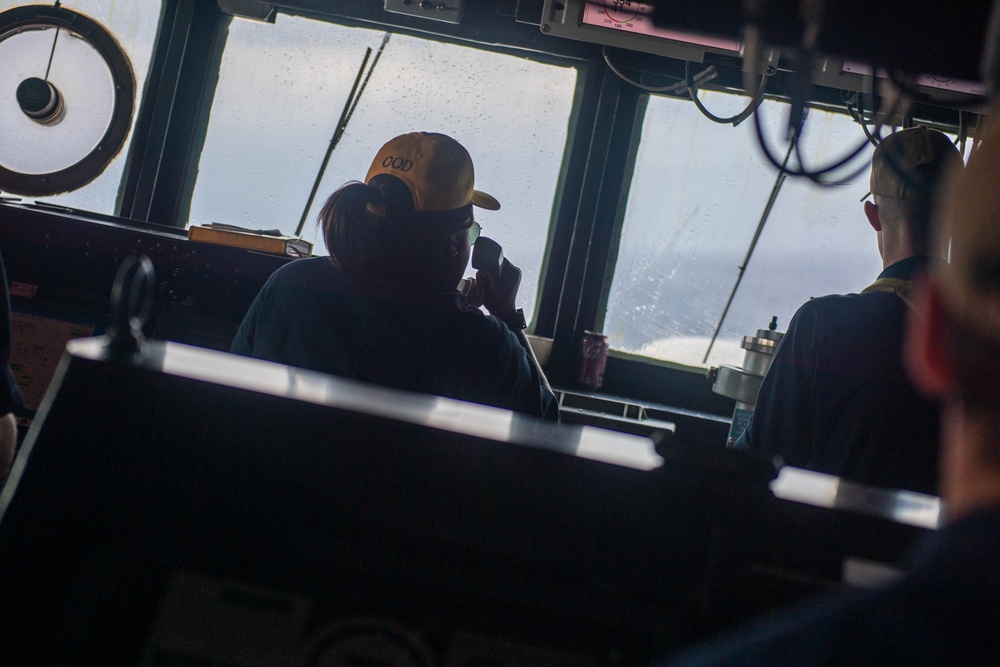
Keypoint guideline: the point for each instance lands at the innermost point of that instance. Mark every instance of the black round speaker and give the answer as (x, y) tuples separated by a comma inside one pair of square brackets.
[(40, 100), (67, 93)]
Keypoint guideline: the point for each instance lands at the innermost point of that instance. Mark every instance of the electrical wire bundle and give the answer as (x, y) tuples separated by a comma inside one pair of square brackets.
[(681, 86), (755, 101), (690, 84)]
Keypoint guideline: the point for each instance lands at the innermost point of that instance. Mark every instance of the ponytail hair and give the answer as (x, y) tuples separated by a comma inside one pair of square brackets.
[(377, 239), (360, 228)]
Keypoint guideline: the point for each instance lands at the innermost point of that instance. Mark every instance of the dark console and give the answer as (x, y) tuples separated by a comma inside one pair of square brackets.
[(192, 507)]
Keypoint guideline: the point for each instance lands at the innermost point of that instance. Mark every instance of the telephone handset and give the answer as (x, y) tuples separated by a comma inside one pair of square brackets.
[(487, 255)]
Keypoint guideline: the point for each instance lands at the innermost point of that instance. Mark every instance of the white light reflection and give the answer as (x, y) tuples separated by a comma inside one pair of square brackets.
[(918, 509), (601, 445), (805, 486), (814, 488), (479, 421)]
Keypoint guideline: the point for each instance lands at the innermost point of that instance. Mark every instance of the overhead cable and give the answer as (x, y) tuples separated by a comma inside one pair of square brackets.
[(892, 105), (681, 86), (755, 101)]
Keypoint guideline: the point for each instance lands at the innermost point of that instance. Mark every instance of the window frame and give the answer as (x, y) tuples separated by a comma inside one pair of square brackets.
[(588, 208)]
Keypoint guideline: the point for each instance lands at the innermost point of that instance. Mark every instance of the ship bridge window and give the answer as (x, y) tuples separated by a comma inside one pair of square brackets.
[(134, 25), (698, 191), (283, 87)]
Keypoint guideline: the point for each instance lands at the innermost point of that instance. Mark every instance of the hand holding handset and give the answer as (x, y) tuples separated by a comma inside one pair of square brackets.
[(487, 255), (495, 286), (498, 280)]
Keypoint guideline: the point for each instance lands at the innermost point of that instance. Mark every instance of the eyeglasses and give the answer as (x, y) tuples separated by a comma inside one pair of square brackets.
[(474, 231)]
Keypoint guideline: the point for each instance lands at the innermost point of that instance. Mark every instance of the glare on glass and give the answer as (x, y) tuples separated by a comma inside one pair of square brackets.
[(697, 195)]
